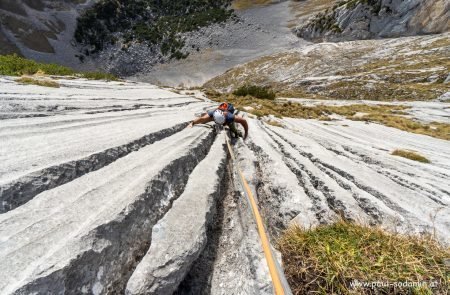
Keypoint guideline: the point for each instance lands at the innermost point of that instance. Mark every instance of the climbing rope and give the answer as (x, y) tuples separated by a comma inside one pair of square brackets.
[(279, 282)]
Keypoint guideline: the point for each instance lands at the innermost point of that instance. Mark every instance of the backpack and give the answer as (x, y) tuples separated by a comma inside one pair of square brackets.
[(224, 106)]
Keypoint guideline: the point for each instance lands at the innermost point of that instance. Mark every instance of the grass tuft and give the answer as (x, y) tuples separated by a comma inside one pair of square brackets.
[(410, 155), (327, 259), (38, 82), (246, 4), (274, 123)]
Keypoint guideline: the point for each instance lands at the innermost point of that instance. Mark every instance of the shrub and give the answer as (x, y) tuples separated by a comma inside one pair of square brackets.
[(98, 76), (255, 91)]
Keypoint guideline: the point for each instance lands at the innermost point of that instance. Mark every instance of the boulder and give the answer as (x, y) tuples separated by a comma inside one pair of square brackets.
[(353, 20)]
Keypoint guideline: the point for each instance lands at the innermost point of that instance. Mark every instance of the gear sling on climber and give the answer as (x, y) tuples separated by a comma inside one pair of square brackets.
[(218, 116)]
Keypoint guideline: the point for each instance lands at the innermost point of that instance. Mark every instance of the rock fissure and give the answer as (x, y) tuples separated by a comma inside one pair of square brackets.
[(114, 248), (20, 191)]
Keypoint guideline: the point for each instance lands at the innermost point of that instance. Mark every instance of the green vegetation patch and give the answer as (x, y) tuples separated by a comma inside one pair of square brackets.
[(325, 22), (98, 76), (157, 22), (410, 155), (14, 65), (255, 91), (350, 4), (330, 259)]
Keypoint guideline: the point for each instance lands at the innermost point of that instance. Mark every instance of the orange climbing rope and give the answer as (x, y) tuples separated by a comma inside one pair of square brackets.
[(279, 282)]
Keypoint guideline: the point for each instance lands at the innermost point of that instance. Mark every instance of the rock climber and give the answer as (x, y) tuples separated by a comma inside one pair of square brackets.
[(224, 116)]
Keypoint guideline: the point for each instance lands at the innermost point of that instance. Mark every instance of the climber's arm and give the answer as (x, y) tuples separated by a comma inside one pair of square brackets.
[(202, 120), (244, 124)]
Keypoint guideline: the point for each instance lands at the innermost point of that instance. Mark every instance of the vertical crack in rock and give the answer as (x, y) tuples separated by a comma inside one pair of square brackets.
[(319, 207), (363, 203), (270, 197), (313, 185), (181, 235), (232, 261), (391, 172), (349, 177), (198, 279), (22, 190)]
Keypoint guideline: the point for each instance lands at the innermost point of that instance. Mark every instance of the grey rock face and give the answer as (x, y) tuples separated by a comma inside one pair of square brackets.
[(175, 246), (119, 166), (20, 191), (447, 80), (89, 235), (444, 97), (89, 242), (99, 174), (355, 20)]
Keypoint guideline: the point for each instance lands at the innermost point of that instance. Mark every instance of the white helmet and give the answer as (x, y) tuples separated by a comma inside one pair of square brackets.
[(219, 117)]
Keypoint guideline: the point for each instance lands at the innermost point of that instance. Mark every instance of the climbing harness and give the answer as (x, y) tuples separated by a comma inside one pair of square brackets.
[(279, 282)]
